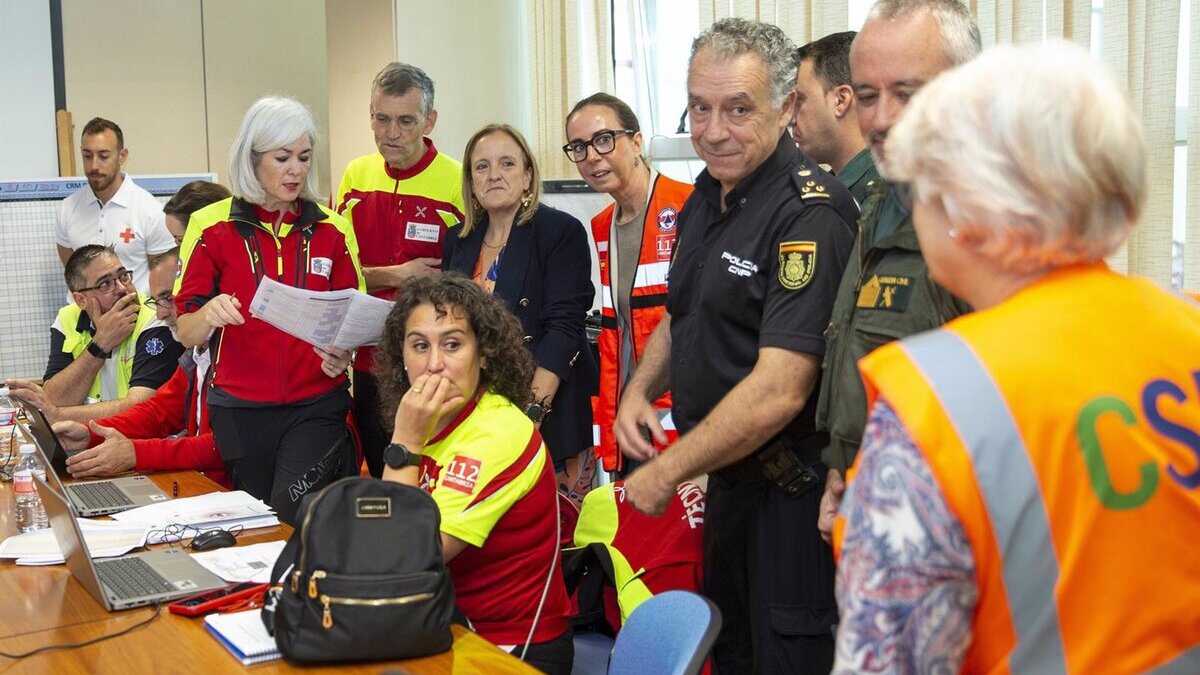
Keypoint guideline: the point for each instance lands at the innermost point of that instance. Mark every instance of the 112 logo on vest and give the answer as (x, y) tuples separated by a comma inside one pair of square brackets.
[(663, 244), (1087, 429)]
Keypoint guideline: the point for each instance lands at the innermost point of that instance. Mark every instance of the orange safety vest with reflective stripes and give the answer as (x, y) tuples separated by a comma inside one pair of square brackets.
[(647, 305), (1063, 429)]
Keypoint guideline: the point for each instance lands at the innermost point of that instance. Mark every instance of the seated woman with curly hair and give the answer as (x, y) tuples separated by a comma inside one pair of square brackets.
[(451, 364)]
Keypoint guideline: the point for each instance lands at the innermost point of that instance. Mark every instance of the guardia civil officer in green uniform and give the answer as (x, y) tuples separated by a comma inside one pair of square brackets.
[(886, 293), (762, 244), (825, 122)]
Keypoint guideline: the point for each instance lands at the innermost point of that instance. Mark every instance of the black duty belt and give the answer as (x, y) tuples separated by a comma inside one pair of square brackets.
[(792, 464)]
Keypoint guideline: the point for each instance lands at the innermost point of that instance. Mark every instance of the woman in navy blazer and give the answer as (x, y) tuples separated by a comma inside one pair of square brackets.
[(536, 259)]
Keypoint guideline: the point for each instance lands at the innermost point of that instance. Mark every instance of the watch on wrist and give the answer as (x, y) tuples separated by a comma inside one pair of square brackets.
[(95, 350), (398, 456), (537, 411)]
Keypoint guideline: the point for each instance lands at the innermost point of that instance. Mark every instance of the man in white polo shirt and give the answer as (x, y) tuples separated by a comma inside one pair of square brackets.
[(111, 210)]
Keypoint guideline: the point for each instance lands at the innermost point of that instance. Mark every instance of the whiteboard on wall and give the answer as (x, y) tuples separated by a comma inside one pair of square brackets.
[(35, 289), (578, 199)]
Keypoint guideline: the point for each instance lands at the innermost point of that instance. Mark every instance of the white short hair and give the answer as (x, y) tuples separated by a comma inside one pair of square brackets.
[(272, 122), (1038, 143)]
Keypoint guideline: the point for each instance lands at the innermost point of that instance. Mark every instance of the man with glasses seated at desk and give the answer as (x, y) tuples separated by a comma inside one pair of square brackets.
[(168, 431), (107, 349)]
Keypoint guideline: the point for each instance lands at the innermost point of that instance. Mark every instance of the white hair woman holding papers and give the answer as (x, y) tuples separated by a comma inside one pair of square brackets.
[(278, 405)]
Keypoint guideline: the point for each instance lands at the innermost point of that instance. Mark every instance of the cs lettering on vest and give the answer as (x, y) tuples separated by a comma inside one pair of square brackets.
[(1087, 428)]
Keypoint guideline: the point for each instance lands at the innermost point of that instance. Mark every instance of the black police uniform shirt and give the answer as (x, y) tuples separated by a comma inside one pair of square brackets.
[(762, 274)]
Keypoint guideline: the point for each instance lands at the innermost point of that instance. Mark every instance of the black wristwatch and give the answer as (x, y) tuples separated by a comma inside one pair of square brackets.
[(95, 350), (398, 456), (537, 411)]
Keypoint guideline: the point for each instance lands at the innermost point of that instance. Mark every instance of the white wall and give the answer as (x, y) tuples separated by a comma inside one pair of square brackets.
[(476, 53), (28, 145)]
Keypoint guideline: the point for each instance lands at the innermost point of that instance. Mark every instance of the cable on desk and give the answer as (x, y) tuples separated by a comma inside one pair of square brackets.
[(85, 643)]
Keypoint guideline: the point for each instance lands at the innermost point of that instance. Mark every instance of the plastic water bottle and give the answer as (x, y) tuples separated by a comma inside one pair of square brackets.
[(31, 513), (8, 410)]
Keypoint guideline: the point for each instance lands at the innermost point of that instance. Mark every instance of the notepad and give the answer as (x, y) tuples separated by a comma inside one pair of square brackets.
[(244, 635)]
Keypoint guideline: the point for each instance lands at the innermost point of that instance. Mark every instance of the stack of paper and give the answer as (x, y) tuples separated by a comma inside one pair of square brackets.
[(105, 539), (216, 509), (347, 319), (244, 635)]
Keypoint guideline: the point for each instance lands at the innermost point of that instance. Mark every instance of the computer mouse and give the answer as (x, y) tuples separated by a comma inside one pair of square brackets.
[(212, 539)]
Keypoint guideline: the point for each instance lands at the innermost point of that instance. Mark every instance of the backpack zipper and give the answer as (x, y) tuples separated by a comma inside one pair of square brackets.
[(304, 544), (326, 601)]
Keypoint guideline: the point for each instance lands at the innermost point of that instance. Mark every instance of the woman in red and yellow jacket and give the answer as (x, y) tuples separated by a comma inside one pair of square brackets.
[(634, 237), (278, 405), (1027, 498)]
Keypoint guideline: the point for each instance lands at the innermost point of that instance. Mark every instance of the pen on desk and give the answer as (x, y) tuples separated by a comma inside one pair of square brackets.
[(174, 488)]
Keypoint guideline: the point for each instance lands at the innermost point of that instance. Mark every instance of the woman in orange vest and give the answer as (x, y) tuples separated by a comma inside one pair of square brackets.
[(1027, 498), (604, 140)]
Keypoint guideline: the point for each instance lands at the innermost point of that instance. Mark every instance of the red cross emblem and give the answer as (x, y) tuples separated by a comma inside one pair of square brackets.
[(128, 235)]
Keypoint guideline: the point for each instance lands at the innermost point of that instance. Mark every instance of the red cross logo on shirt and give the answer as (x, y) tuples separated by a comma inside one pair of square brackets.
[(128, 235)]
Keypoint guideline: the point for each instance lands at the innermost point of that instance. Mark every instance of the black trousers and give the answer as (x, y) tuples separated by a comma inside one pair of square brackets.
[(555, 657), (369, 417), (281, 453), (771, 575)]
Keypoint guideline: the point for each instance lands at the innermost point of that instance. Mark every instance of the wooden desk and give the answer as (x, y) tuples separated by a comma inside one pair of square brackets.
[(46, 606)]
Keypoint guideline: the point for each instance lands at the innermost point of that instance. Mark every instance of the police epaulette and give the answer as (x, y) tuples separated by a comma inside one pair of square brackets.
[(814, 195)]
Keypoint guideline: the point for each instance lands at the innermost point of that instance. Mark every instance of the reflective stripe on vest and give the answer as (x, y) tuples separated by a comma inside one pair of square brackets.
[(1009, 487)]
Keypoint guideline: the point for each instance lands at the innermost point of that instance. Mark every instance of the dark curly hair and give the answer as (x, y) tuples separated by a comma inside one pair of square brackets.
[(509, 370)]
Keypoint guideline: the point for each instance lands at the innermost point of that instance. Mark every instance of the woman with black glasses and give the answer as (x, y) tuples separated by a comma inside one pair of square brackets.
[(634, 238)]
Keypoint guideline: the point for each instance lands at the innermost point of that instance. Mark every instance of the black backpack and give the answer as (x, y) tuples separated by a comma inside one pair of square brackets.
[(362, 576)]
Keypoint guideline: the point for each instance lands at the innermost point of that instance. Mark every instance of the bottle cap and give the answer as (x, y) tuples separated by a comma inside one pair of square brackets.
[(27, 449)]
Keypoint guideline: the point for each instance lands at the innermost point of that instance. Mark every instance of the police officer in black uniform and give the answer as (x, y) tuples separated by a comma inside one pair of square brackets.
[(762, 245)]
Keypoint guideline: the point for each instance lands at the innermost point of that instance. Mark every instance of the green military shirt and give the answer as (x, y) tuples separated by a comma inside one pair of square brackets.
[(857, 174), (885, 294)]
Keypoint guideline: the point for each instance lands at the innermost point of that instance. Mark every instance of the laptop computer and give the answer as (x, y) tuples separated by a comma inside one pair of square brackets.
[(89, 498), (128, 581)]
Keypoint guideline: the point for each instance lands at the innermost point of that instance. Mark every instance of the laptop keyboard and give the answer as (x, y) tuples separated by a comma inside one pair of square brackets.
[(131, 578), (99, 495)]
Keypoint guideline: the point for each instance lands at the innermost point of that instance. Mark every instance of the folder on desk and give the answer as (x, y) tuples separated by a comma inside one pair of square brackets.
[(244, 635)]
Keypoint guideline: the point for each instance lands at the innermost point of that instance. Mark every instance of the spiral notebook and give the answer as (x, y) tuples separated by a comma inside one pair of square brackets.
[(244, 635)]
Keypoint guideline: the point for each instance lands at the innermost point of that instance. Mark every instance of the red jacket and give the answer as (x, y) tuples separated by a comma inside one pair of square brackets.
[(229, 248), (169, 411)]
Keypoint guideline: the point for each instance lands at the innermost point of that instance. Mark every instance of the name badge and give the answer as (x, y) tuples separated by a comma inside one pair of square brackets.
[(422, 232), (322, 266), (889, 293)]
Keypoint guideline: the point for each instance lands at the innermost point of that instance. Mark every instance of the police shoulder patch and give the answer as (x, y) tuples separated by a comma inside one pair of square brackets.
[(797, 262)]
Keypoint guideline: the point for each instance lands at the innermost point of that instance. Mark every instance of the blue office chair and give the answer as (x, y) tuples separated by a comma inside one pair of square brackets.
[(669, 634)]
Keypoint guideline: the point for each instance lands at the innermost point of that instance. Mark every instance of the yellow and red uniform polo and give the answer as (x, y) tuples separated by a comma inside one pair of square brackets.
[(493, 482), (399, 215)]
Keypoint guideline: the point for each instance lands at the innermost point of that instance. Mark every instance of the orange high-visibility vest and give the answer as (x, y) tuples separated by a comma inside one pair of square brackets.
[(646, 306), (1063, 428)]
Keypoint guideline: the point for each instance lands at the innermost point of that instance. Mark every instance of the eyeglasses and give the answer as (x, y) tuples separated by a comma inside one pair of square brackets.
[(163, 302), (603, 141), (122, 277), (405, 122)]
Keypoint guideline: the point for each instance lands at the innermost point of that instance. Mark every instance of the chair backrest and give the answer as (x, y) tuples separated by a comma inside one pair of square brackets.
[(669, 634)]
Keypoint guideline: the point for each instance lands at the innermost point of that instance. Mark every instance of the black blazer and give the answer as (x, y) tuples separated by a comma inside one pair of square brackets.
[(545, 279)]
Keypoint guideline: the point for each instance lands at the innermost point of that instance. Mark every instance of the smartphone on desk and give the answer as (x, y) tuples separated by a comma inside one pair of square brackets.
[(209, 602)]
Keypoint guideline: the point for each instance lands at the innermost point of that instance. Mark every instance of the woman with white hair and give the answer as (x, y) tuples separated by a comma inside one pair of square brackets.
[(278, 405), (1028, 467)]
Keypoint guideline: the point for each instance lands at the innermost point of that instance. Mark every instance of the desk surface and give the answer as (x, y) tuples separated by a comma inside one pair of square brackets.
[(45, 606)]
